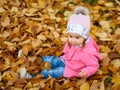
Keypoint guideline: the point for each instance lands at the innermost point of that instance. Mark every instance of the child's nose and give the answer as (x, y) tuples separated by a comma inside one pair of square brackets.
[(73, 40)]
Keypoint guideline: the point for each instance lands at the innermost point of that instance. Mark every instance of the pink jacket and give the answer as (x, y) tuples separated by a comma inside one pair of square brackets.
[(82, 58)]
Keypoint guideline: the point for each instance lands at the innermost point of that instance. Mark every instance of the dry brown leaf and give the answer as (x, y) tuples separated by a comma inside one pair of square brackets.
[(112, 68), (2, 10), (117, 48), (116, 87), (85, 86), (38, 80), (58, 53), (46, 45), (68, 84), (26, 49), (116, 79), (5, 67), (29, 85), (103, 36), (63, 39), (5, 34), (27, 41), (116, 38), (7, 77), (45, 65), (105, 49), (20, 83), (105, 60), (116, 63), (36, 43), (104, 70), (113, 55), (32, 58), (38, 61), (102, 86), (109, 4), (39, 51), (94, 85), (14, 9), (41, 37), (56, 34), (5, 22), (41, 3), (58, 87), (15, 65), (23, 37)]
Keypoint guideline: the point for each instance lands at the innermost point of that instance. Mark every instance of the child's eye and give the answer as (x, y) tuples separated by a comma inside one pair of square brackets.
[(77, 37), (70, 36)]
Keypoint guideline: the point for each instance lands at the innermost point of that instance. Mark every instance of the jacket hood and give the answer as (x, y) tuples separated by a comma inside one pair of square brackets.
[(92, 48)]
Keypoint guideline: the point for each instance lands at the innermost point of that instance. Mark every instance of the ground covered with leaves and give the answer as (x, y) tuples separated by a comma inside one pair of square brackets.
[(30, 29)]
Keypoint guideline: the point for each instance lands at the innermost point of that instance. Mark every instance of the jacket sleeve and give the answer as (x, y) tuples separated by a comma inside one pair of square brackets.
[(65, 49), (91, 64)]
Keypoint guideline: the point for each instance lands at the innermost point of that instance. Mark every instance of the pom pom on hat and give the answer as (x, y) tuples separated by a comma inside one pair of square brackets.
[(79, 22)]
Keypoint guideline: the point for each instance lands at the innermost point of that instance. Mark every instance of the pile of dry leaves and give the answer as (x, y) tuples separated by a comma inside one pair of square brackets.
[(30, 29)]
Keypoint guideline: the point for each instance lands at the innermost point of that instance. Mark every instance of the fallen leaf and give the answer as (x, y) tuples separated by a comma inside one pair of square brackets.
[(5, 22), (85, 86), (26, 49), (116, 63), (117, 48), (112, 68), (20, 83), (2, 10)]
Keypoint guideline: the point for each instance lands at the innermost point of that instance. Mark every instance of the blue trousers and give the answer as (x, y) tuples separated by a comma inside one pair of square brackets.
[(57, 66)]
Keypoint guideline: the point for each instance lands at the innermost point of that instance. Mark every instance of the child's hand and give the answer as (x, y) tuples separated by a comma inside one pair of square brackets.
[(82, 74)]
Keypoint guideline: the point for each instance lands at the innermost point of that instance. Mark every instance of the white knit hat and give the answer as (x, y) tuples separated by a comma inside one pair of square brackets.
[(79, 22)]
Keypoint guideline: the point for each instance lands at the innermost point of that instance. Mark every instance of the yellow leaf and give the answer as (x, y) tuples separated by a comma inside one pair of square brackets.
[(7, 77), (102, 34), (85, 86), (116, 63), (116, 79), (14, 9), (46, 45), (26, 49), (58, 53), (117, 48), (104, 70), (7, 61), (63, 39), (5, 22), (36, 43), (102, 86), (6, 34), (105, 49), (41, 3), (27, 41), (2, 10), (112, 68), (29, 30), (41, 37), (110, 4), (56, 34), (101, 2), (105, 24), (5, 67)]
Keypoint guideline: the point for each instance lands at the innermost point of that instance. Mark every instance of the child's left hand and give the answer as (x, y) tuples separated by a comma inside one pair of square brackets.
[(82, 74)]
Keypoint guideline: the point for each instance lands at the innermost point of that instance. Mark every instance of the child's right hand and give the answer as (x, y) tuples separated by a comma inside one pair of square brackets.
[(82, 74)]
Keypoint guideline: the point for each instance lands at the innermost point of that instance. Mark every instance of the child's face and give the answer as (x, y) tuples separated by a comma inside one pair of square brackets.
[(75, 39)]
